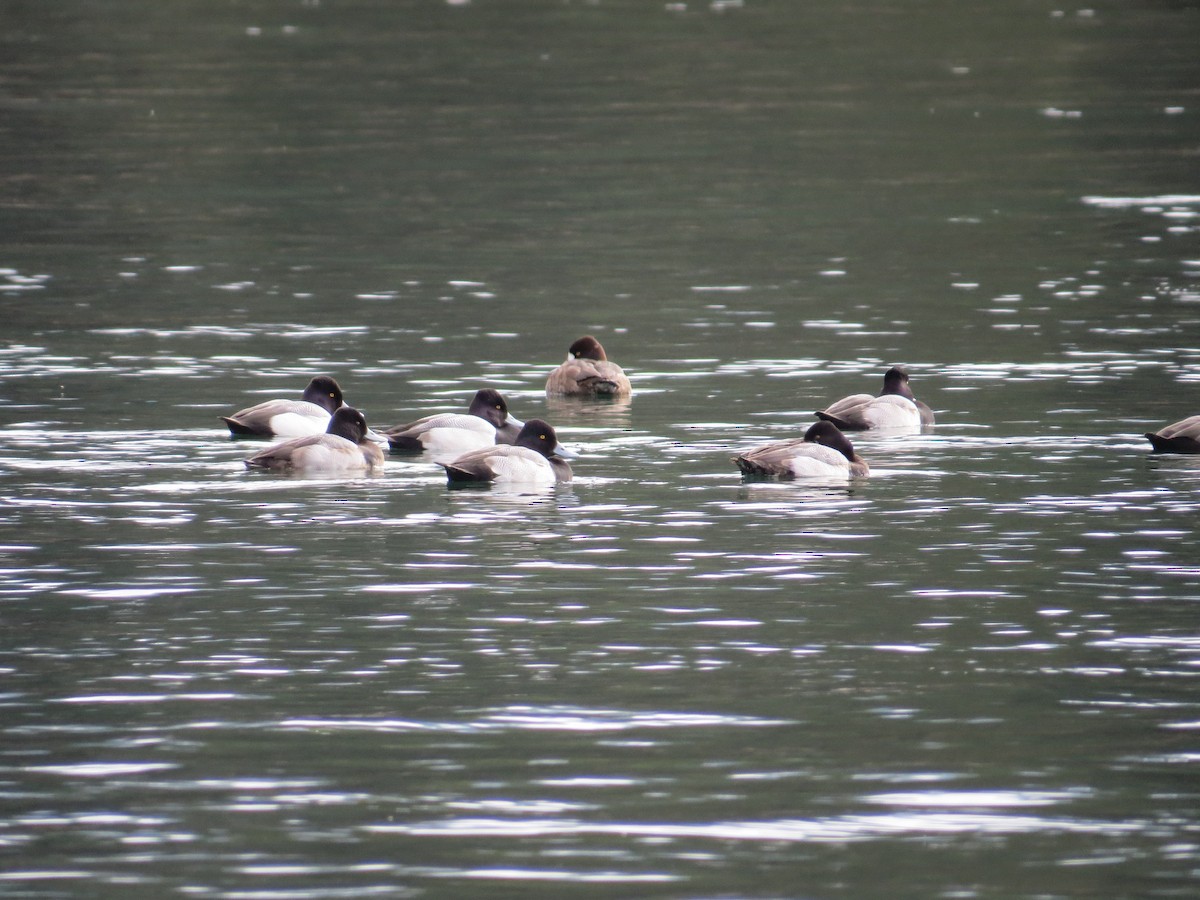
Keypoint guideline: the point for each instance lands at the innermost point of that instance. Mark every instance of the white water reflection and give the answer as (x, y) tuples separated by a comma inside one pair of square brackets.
[(564, 719), (835, 829)]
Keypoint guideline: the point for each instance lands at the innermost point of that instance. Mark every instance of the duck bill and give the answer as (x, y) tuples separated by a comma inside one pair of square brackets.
[(560, 450)]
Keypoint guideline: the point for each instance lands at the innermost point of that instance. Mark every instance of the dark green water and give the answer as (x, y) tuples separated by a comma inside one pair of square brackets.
[(967, 677)]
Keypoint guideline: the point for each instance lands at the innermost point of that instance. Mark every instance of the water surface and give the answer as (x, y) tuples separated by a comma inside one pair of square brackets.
[(968, 676)]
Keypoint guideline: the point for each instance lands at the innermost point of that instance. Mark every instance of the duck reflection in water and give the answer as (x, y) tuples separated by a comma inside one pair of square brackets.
[(614, 413)]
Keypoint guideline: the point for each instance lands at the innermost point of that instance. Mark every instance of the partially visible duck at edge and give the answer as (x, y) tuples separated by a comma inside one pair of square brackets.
[(486, 422), (289, 418), (823, 452), (536, 458), (588, 373), (895, 407), (1180, 437), (346, 447)]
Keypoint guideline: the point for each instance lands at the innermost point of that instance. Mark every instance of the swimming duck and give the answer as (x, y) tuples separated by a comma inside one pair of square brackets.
[(536, 458), (1181, 437), (895, 407), (289, 418), (486, 422), (588, 373), (344, 447), (823, 452)]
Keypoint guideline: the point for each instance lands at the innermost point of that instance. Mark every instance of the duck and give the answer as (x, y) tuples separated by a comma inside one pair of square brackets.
[(535, 458), (1180, 437), (289, 418), (823, 452), (345, 447), (486, 422), (895, 407), (588, 373)]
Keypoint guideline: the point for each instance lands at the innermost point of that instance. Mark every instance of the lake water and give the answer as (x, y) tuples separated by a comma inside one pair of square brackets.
[(970, 676)]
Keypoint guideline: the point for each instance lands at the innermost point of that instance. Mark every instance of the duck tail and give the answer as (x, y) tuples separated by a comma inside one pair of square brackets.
[(602, 387), (842, 424), (748, 467), (456, 474), (1172, 444), (236, 427), (405, 443)]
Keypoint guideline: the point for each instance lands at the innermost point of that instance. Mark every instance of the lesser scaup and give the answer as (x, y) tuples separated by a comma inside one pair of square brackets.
[(895, 407), (289, 418), (588, 373), (823, 452), (486, 422), (536, 458), (344, 447)]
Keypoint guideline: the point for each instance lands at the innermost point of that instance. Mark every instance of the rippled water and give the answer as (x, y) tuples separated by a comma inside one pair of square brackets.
[(971, 673), (967, 676)]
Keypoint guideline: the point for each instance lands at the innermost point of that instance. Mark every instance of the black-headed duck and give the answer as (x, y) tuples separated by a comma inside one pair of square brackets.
[(536, 458), (344, 448), (895, 407), (823, 452)]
